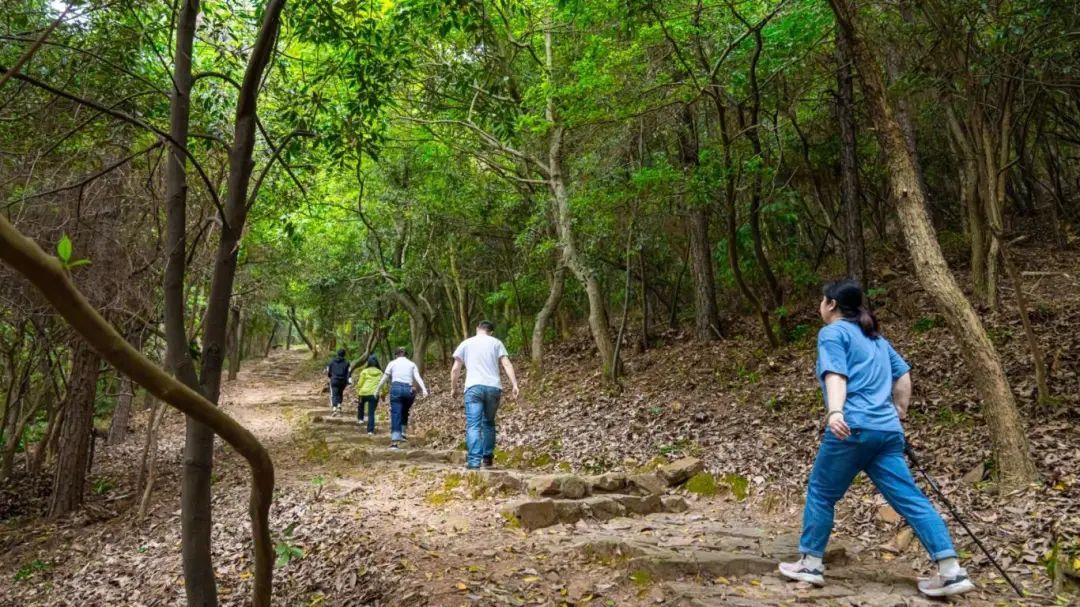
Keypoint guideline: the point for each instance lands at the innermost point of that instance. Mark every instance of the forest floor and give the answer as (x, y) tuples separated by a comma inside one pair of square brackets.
[(364, 525)]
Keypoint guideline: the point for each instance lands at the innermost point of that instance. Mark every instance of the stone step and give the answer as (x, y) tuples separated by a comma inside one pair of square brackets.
[(405, 454), (722, 552), (544, 512)]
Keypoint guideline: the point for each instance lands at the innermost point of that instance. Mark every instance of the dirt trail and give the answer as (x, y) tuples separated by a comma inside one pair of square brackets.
[(444, 536)]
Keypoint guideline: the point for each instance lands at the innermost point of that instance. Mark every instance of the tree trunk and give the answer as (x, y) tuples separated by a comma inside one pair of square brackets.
[(598, 318), (299, 331), (543, 317), (706, 313), (233, 339), (121, 412), (69, 482), (421, 333), (270, 341), (855, 248), (773, 290), (1013, 463)]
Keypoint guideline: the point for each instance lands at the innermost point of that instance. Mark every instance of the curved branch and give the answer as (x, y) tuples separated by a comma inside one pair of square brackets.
[(54, 282), (126, 118), (270, 163), (112, 167)]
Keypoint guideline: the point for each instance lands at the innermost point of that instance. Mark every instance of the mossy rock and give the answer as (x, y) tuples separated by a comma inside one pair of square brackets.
[(703, 484)]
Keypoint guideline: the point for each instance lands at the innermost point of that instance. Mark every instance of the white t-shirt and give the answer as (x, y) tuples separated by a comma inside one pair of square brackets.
[(402, 371), (481, 355)]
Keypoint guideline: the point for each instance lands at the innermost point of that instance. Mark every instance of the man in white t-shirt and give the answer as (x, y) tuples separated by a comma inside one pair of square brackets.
[(481, 355)]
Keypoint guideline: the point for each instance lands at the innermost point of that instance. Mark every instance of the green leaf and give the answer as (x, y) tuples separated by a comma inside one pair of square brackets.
[(63, 249), (79, 262)]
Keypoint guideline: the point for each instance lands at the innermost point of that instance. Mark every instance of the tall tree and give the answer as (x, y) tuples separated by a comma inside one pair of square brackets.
[(1012, 456)]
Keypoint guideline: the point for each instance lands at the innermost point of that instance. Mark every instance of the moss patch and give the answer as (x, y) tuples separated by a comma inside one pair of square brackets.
[(703, 484)]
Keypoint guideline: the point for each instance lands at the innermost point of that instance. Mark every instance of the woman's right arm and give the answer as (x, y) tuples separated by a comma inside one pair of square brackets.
[(836, 395), (901, 395)]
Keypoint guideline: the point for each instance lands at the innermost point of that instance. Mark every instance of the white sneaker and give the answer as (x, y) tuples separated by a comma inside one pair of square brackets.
[(802, 572), (937, 585)]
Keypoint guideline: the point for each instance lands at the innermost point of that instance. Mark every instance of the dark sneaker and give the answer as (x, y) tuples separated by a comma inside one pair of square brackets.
[(395, 446), (799, 571), (946, 586), (489, 461)]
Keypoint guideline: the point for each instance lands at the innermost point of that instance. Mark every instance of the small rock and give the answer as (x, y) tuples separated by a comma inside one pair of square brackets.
[(675, 503), (903, 539), (975, 475), (648, 483), (610, 482), (603, 508), (558, 485), (533, 514), (888, 515), (637, 504), (680, 471), (569, 511)]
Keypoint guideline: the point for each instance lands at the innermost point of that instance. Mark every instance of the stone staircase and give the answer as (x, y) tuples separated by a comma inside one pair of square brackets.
[(641, 525)]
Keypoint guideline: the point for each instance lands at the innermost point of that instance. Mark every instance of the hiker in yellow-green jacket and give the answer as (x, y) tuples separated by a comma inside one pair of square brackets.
[(366, 388)]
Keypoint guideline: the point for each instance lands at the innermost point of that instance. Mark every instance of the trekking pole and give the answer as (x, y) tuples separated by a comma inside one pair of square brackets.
[(937, 490)]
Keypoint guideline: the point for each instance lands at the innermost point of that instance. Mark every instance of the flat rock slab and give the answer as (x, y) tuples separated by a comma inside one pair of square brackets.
[(570, 511), (785, 547), (558, 485), (680, 471), (671, 564), (375, 454)]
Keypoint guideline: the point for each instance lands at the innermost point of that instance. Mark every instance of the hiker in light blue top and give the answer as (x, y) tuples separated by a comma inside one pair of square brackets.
[(481, 355), (867, 389)]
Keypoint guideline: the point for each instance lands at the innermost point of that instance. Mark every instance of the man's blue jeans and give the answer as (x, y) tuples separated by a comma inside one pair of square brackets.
[(881, 455), (481, 403), (401, 397)]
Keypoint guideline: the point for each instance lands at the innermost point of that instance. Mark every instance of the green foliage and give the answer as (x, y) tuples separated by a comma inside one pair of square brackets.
[(285, 550), (64, 250), (927, 323), (102, 485), (28, 570)]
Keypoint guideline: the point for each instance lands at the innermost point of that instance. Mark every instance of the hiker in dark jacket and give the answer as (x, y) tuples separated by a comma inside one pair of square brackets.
[(338, 372)]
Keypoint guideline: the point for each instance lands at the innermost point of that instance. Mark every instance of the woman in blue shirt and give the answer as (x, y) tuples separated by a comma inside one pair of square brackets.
[(867, 388)]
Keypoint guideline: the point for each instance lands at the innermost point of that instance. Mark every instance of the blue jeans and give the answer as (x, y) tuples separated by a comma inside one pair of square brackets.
[(881, 455), (481, 403), (401, 398), (371, 401)]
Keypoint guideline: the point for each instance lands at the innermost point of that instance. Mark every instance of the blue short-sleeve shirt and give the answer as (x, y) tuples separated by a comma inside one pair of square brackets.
[(871, 366)]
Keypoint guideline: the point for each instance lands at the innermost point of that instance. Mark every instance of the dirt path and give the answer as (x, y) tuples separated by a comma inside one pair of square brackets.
[(444, 536)]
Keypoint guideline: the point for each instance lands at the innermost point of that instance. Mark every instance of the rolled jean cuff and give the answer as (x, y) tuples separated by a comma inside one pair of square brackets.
[(943, 554), (816, 553)]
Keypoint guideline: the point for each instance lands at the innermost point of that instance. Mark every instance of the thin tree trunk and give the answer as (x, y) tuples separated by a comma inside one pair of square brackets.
[(598, 318), (233, 339), (1029, 332), (1013, 463), (543, 317), (121, 412), (774, 290), (299, 331), (854, 248), (270, 342), (626, 305), (149, 461), (69, 482), (706, 314)]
